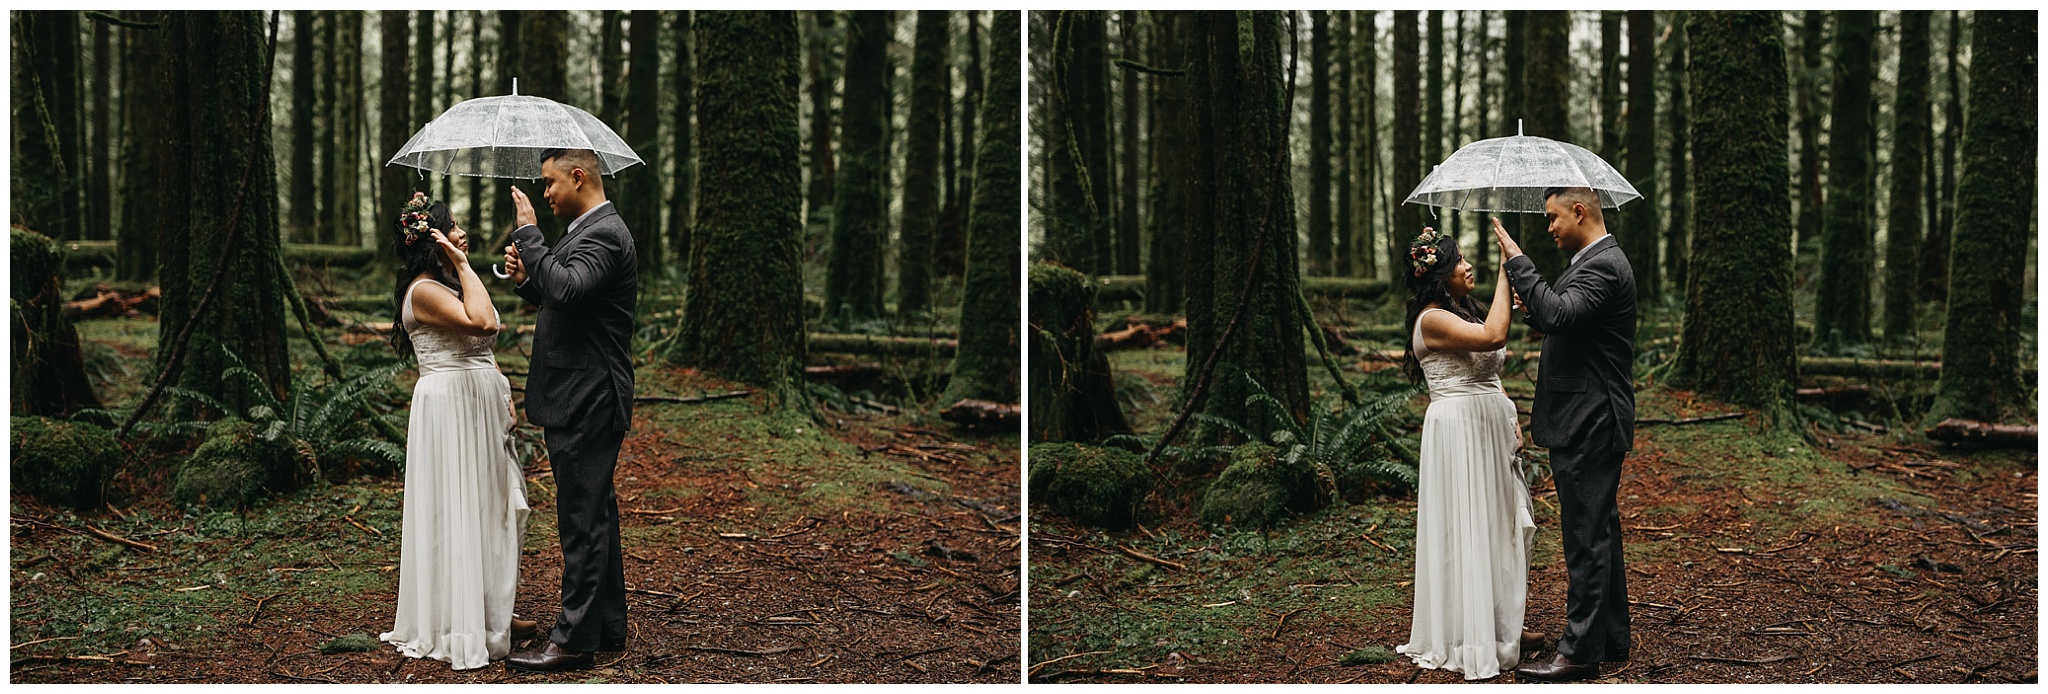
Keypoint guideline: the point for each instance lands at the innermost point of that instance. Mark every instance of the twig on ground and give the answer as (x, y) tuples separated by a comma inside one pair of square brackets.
[(741, 651), (692, 401), (1041, 666), (1135, 554), (117, 539)]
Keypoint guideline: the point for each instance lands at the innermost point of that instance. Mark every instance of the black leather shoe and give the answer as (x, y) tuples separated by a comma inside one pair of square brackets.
[(1557, 669), (548, 658)]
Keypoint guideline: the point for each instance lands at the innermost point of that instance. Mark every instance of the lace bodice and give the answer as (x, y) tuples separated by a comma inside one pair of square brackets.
[(1452, 373), (441, 350)]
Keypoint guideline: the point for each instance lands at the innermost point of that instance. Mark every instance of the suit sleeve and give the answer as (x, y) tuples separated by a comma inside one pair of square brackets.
[(567, 279), (531, 244), (1562, 309)]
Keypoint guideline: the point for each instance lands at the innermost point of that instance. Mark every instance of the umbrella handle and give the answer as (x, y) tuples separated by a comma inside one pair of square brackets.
[(500, 273)]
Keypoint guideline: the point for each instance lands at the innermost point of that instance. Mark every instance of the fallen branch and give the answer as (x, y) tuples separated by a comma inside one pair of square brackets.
[(692, 401), (117, 539), (1283, 621), (871, 369), (1967, 431), (1740, 661), (882, 344), (1135, 554), (1689, 420), (259, 607), (1040, 666), (978, 412), (740, 651)]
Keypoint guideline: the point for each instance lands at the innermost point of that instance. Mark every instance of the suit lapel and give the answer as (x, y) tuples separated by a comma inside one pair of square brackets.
[(609, 211), (1598, 248)]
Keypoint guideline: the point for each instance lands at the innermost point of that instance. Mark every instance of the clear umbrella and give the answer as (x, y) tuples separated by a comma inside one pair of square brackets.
[(1509, 174), (504, 136)]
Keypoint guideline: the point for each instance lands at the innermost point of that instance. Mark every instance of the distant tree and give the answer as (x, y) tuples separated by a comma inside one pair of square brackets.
[(1167, 222), (423, 76), (1369, 122), (744, 316), (1078, 226), (1320, 261), (1481, 250), (985, 367), (349, 162), (1934, 269), (1909, 134), (821, 74), (143, 187), (1640, 232), (1677, 243), (480, 200), (642, 103), (99, 188), (47, 192), (1610, 85), (921, 175), (611, 67), (1981, 360), (303, 199), (1433, 86), (860, 215), (1343, 250), (395, 184), (1737, 341), (1848, 257), (682, 199), (1407, 171), (1810, 88), (1547, 82), (1127, 256)]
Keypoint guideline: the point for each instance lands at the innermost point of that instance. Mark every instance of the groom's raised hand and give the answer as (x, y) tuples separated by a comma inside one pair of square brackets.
[(1508, 248), (522, 209)]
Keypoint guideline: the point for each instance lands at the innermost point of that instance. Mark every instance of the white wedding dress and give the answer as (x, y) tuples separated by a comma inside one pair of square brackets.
[(465, 504), (1473, 524)]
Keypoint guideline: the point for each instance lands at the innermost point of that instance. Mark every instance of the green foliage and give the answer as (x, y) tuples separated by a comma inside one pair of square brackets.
[(1369, 655), (352, 643), (1098, 486), (1259, 486), (235, 466), (61, 462)]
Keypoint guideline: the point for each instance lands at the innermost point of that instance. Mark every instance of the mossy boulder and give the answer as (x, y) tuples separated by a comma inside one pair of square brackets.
[(62, 462), (1094, 485), (235, 466), (1259, 487)]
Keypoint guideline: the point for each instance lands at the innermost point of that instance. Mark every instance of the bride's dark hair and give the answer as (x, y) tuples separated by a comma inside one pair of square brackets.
[(418, 254), (1433, 287)]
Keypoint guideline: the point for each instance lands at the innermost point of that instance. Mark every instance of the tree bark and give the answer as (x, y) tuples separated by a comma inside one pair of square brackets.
[(1934, 269), (99, 170), (479, 198), (1810, 87), (1677, 244), (1320, 261), (1902, 228), (345, 161), (422, 81), (1433, 86), (394, 183), (1513, 111), (1167, 223), (985, 367), (542, 70), (1738, 321), (860, 215), (1078, 228), (820, 72), (951, 254), (1072, 396), (302, 200), (744, 315), (1482, 250), (1342, 250), (48, 371), (142, 186), (1610, 85), (642, 103), (1842, 304), (1639, 232), (682, 200), (921, 179), (1987, 301), (610, 68), (1407, 171), (48, 171), (1369, 209), (1548, 57), (1127, 245)]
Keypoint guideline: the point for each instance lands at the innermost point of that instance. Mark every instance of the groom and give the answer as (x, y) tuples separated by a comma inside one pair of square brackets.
[(580, 388), (1585, 413)]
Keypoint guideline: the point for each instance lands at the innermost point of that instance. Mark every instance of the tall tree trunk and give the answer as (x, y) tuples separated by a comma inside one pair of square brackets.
[(217, 164), (1610, 84), (479, 198), (1242, 233), (1319, 251), (143, 187), (1407, 172), (422, 80), (1457, 116), (542, 70), (303, 199), (1127, 255), (1987, 302), (610, 67), (1549, 64), (985, 367), (349, 163), (1167, 222), (1737, 334), (1842, 306), (1934, 271), (950, 257), (1369, 122), (642, 102), (1909, 133), (744, 317), (48, 172), (860, 214), (1514, 112), (1812, 198), (682, 200), (1078, 231), (820, 72), (1482, 250), (394, 183), (921, 184), (1677, 244), (1433, 86), (99, 188), (1640, 231), (1340, 61)]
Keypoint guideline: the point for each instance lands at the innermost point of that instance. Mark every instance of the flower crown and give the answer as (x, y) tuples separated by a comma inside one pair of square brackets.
[(1423, 254), (412, 219)]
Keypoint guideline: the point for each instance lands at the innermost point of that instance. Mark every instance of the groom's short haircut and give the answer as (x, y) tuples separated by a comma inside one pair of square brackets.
[(577, 159), (1583, 196)]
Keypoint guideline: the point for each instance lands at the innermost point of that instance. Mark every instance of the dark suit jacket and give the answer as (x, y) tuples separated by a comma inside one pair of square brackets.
[(1585, 386), (587, 287)]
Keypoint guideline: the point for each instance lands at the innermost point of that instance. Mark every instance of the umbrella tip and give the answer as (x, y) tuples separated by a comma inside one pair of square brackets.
[(1518, 121), (515, 86)]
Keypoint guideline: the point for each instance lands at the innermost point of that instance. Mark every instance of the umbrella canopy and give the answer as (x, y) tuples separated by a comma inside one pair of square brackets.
[(504, 136), (1508, 174)]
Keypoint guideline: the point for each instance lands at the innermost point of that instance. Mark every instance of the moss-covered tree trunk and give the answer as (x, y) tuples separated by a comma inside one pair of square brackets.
[(302, 200), (744, 316), (142, 186), (1640, 230), (985, 367), (1407, 144), (1128, 145), (1610, 85), (860, 214), (1078, 227), (682, 198), (1677, 244), (1240, 212), (1737, 337), (1072, 397), (217, 161), (47, 178), (1546, 86), (820, 74), (1319, 246), (1812, 89), (1981, 363), (1902, 227), (921, 175), (1342, 250), (394, 183), (1166, 222), (49, 373), (1848, 255), (642, 102)]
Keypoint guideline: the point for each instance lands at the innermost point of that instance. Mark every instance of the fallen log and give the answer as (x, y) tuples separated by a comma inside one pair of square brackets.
[(1857, 392), (1689, 420), (113, 303), (1967, 431), (872, 369), (670, 399), (1137, 336), (883, 344), (1111, 288), (981, 412)]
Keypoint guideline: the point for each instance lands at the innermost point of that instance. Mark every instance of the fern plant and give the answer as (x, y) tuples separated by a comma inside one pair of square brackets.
[(1338, 444), (321, 423)]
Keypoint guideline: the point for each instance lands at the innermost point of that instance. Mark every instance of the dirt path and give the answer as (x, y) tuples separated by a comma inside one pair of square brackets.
[(730, 579)]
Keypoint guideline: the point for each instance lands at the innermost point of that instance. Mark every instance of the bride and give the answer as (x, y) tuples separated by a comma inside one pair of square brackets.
[(465, 500), (1472, 521)]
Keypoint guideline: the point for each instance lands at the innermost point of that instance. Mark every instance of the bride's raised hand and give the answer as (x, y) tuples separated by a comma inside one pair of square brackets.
[(456, 256)]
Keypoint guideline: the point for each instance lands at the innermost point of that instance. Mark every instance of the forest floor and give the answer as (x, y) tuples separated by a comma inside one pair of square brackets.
[(759, 548), (1752, 556)]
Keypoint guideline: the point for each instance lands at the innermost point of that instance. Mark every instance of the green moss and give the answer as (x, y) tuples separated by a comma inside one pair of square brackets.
[(1098, 486), (234, 467), (61, 462), (1369, 655), (352, 643), (1258, 488)]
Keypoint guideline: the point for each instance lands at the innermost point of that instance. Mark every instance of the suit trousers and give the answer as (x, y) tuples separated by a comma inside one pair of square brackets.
[(1596, 601), (587, 519)]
